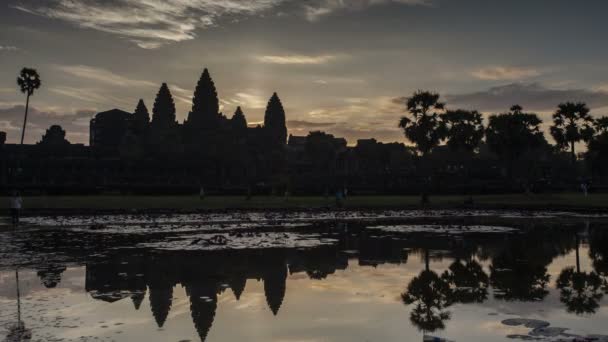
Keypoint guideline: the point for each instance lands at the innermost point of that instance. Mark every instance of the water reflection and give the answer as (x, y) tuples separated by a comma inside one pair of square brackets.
[(480, 267), (430, 295), (580, 291)]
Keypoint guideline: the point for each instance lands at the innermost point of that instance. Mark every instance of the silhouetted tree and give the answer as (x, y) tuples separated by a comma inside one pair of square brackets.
[(163, 113), (205, 104), (468, 282), (601, 125), (274, 121), (28, 82), (422, 127), (463, 129), (50, 275), (571, 124), (430, 296), (54, 136), (511, 134), (598, 250), (597, 152), (580, 291), (519, 273)]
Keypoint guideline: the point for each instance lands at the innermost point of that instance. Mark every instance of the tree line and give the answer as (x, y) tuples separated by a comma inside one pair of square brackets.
[(429, 123)]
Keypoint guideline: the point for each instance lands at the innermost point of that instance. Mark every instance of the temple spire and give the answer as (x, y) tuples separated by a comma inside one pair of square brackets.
[(274, 121), (163, 113), (205, 104), (238, 120), (141, 113)]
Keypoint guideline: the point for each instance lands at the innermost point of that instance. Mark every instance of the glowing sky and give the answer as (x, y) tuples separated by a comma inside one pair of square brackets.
[(338, 65)]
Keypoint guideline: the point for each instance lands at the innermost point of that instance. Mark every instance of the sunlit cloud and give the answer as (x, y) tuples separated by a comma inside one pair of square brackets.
[(91, 95), (153, 23), (247, 100), (532, 96), (8, 48), (496, 73), (296, 59), (322, 8), (148, 23), (354, 118), (339, 81), (102, 75)]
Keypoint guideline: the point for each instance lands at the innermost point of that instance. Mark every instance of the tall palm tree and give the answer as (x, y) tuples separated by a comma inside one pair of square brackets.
[(28, 81), (571, 124)]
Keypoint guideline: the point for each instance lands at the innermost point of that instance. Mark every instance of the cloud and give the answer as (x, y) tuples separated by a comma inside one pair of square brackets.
[(92, 95), (246, 100), (321, 8), (296, 59), (354, 118), (153, 23), (181, 94), (532, 96), (148, 23), (303, 125), (495, 73), (339, 81), (103, 76), (8, 48), (75, 123)]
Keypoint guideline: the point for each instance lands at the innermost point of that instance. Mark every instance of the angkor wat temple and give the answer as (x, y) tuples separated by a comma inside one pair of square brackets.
[(140, 152)]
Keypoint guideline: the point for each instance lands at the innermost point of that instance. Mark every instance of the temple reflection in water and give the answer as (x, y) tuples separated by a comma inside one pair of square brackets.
[(504, 267)]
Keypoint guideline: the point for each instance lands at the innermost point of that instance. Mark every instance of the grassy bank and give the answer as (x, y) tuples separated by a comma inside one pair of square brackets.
[(572, 201)]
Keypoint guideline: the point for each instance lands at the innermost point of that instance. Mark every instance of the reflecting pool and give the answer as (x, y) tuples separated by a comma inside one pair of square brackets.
[(332, 276)]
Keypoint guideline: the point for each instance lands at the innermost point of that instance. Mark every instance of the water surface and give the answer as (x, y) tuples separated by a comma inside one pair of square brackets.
[(289, 277)]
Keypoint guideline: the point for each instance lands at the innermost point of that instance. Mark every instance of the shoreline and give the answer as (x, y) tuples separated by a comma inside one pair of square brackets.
[(141, 205)]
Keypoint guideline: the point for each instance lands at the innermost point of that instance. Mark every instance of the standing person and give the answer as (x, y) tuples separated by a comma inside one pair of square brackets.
[(339, 198), (201, 193), (15, 207), (585, 188)]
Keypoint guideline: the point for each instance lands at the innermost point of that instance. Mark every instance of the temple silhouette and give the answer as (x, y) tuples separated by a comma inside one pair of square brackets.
[(150, 152)]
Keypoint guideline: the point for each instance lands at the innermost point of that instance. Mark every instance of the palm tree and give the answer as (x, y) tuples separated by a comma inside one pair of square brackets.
[(423, 126), (28, 81), (571, 124), (510, 135)]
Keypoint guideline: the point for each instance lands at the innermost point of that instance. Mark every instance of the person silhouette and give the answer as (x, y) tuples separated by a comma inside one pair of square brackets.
[(15, 204)]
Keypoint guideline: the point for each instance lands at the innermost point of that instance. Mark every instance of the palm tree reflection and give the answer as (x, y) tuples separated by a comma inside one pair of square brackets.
[(429, 294), (18, 332), (467, 281), (580, 291)]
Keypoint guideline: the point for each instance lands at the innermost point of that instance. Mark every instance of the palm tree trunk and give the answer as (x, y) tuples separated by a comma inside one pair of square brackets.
[(578, 261), (27, 105), (18, 298), (572, 151), (426, 259)]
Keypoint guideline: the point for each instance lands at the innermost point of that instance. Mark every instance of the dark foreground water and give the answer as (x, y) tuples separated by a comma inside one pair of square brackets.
[(367, 276)]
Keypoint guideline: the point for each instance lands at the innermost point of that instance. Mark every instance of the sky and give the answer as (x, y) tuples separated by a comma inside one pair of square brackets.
[(341, 66)]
